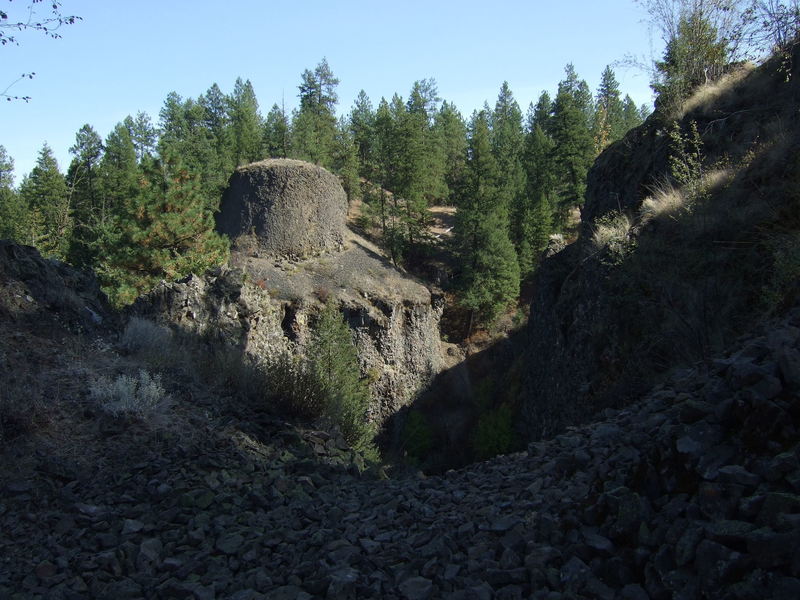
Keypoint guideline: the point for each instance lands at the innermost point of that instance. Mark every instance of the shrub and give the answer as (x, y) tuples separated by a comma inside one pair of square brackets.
[(417, 436), (494, 434), (127, 395), (612, 235), (334, 360)]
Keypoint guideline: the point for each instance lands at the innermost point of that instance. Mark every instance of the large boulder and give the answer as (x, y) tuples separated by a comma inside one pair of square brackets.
[(283, 207)]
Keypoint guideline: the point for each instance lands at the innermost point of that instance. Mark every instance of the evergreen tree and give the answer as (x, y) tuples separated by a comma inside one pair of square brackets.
[(246, 124), (449, 126), (314, 124), (217, 122), (46, 196), (275, 143), (631, 115), (345, 160), (574, 149), (694, 54), (165, 231), (334, 360), (609, 122), (83, 179), (119, 175), (143, 134), (542, 114), (387, 152), (490, 274), (13, 212), (508, 141), (362, 128)]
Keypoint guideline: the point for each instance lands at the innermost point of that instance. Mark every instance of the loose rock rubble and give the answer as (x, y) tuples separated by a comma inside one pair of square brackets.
[(694, 492)]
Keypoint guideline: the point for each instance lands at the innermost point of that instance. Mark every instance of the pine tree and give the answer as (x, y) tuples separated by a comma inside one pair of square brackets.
[(490, 275), (694, 54), (574, 149), (449, 126), (143, 134), (83, 179), (45, 193), (631, 115), (119, 174), (246, 123), (217, 122), (275, 142), (508, 141), (387, 152), (609, 122), (362, 128), (345, 160), (334, 360), (314, 125), (165, 231), (542, 114), (13, 212)]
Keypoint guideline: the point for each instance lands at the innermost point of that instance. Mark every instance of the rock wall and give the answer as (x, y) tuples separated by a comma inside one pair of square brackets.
[(607, 323), (397, 340)]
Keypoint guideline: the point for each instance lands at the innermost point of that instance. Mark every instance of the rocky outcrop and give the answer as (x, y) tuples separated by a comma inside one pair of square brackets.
[(673, 281), (284, 207), (34, 286), (293, 252), (265, 306)]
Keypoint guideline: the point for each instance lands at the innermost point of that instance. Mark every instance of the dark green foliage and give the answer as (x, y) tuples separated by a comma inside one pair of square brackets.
[(164, 231), (494, 433), (334, 359), (46, 197), (344, 161), (13, 212), (246, 129), (275, 143), (490, 275), (143, 134), (693, 55), (573, 149), (451, 130), (609, 120), (85, 185), (314, 124), (417, 436), (362, 128)]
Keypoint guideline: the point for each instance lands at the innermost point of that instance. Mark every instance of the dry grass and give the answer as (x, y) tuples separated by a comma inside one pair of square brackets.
[(611, 229), (710, 94)]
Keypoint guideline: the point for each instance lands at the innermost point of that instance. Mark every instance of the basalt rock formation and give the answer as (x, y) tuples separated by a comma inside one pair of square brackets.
[(667, 273), (284, 207), (277, 211)]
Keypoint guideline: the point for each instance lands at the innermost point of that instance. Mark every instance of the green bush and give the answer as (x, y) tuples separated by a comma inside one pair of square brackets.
[(417, 436), (494, 433)]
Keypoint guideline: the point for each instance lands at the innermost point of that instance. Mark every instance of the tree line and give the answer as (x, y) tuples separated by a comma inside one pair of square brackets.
[(137, 206)]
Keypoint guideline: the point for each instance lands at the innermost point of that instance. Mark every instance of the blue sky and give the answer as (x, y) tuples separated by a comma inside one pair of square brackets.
[(127, 56)]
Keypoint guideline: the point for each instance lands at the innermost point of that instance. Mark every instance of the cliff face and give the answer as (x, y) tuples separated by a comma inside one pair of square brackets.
[(288, 259), (668, 273)]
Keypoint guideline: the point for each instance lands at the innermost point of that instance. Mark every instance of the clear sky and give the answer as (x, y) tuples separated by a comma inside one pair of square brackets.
[(126, 56)]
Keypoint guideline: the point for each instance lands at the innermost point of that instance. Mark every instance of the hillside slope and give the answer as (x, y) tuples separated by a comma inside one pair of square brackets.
[(694, 492), (687, 240)]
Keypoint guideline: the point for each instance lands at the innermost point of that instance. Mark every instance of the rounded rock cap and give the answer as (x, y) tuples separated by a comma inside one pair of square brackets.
[(284, 207)]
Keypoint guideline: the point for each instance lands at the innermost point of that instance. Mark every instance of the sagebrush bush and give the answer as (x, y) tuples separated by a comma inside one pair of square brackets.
[(612, 235), (126, 395)]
